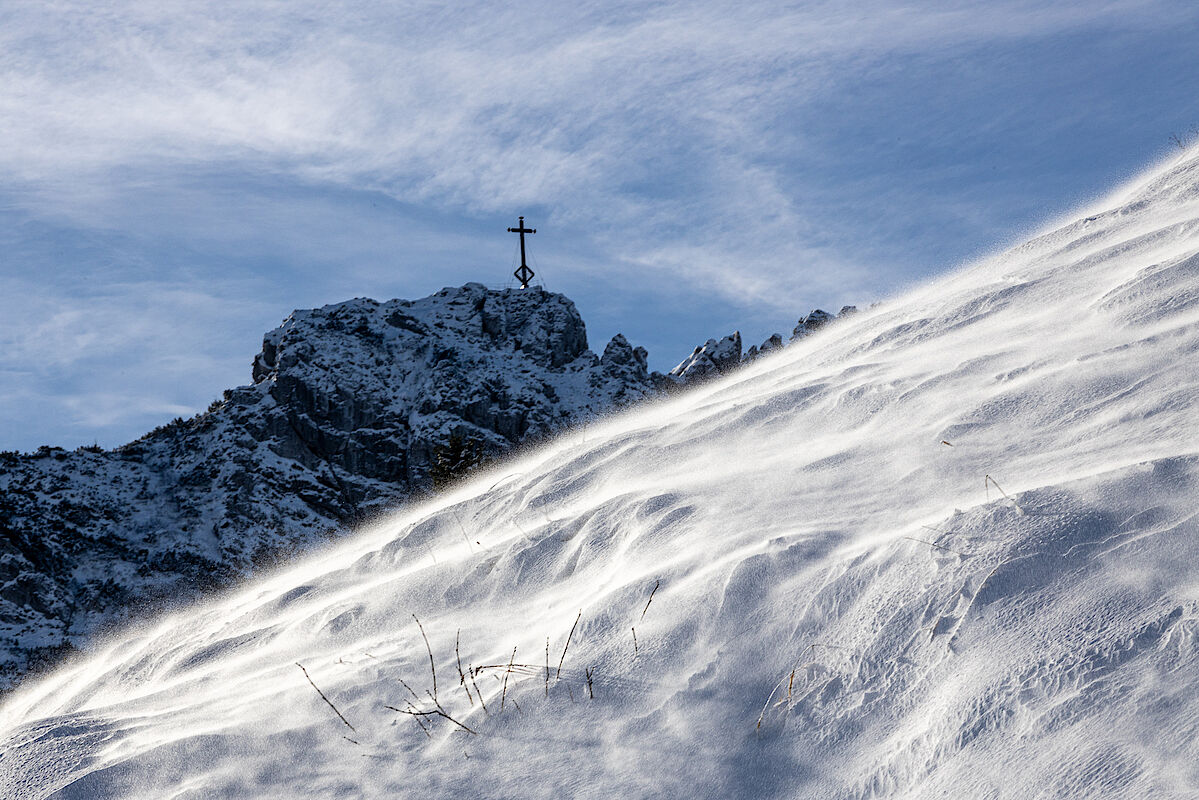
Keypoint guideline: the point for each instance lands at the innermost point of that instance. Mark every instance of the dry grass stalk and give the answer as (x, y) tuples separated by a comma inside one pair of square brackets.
[(766, 706), (590, 691), (634, 642), (326, 699), (507, 672), (558, 674), (415, 719), (935, 530), (762, 716), (651, 597), (934, 544), (988, 482), (432, 666), (461, 676), (415, 696), (506, 477), (547, 666), (433, 712), (479, 693), (463, 529), (790, 679)]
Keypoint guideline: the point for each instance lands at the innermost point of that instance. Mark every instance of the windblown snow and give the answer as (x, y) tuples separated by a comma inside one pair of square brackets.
[(946, 547)]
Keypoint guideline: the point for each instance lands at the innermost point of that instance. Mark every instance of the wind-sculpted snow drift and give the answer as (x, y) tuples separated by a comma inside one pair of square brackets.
[(950, 552)]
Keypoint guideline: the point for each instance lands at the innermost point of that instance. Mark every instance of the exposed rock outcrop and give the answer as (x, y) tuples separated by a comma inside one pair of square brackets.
[(718, 357), (710, 360), (349, 408)]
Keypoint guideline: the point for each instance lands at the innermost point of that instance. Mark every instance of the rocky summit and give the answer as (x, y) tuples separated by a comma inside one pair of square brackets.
[(352, 408)]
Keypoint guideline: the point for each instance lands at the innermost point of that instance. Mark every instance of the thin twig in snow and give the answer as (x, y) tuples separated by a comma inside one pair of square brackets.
[(463, 529), (326, 699), (432, 666), (482, 702), (988, 482), (651, 597), (504, 695), (433, 712), (461, 676), (934, 544), (558, 674), (501, 480), (415, 696), (790, 679)]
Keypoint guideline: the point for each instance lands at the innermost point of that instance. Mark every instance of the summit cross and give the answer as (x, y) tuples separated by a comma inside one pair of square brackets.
[(523, 273)]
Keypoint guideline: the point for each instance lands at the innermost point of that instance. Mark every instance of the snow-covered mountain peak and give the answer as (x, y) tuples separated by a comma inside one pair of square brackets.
[(353, 407), (541, 327)]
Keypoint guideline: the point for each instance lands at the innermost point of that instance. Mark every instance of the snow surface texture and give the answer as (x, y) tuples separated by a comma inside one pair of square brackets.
[(950, 552)]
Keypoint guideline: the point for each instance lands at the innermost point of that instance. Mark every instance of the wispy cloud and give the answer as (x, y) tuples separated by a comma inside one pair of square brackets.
[(768, 155), (638, 118), (118, 358)]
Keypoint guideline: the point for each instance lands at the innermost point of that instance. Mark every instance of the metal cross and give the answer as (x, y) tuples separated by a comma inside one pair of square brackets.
[(523, 274)]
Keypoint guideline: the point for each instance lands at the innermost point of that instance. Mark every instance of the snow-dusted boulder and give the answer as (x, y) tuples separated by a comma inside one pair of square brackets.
[(709, 360), (814, 321), (755, 351)]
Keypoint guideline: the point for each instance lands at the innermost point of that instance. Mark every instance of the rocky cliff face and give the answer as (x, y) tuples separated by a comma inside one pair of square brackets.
[(353, 407), (718, 357), (348, 411)]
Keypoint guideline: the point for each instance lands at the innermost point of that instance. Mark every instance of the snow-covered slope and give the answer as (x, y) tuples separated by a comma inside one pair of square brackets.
[(951, 551)]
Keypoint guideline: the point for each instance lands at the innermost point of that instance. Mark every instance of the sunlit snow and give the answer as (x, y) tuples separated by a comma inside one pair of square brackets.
[(946, 547)]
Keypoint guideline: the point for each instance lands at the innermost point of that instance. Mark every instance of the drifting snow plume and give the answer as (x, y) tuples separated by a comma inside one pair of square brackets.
[(949, 552)]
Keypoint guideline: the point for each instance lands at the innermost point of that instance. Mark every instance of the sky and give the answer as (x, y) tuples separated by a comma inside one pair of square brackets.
[(176, 177)]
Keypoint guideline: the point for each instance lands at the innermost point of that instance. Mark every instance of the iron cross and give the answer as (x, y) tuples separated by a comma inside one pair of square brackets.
[(523, 274)]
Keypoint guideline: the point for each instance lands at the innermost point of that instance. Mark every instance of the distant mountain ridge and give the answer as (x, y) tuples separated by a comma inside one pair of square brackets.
[(353, 407)]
